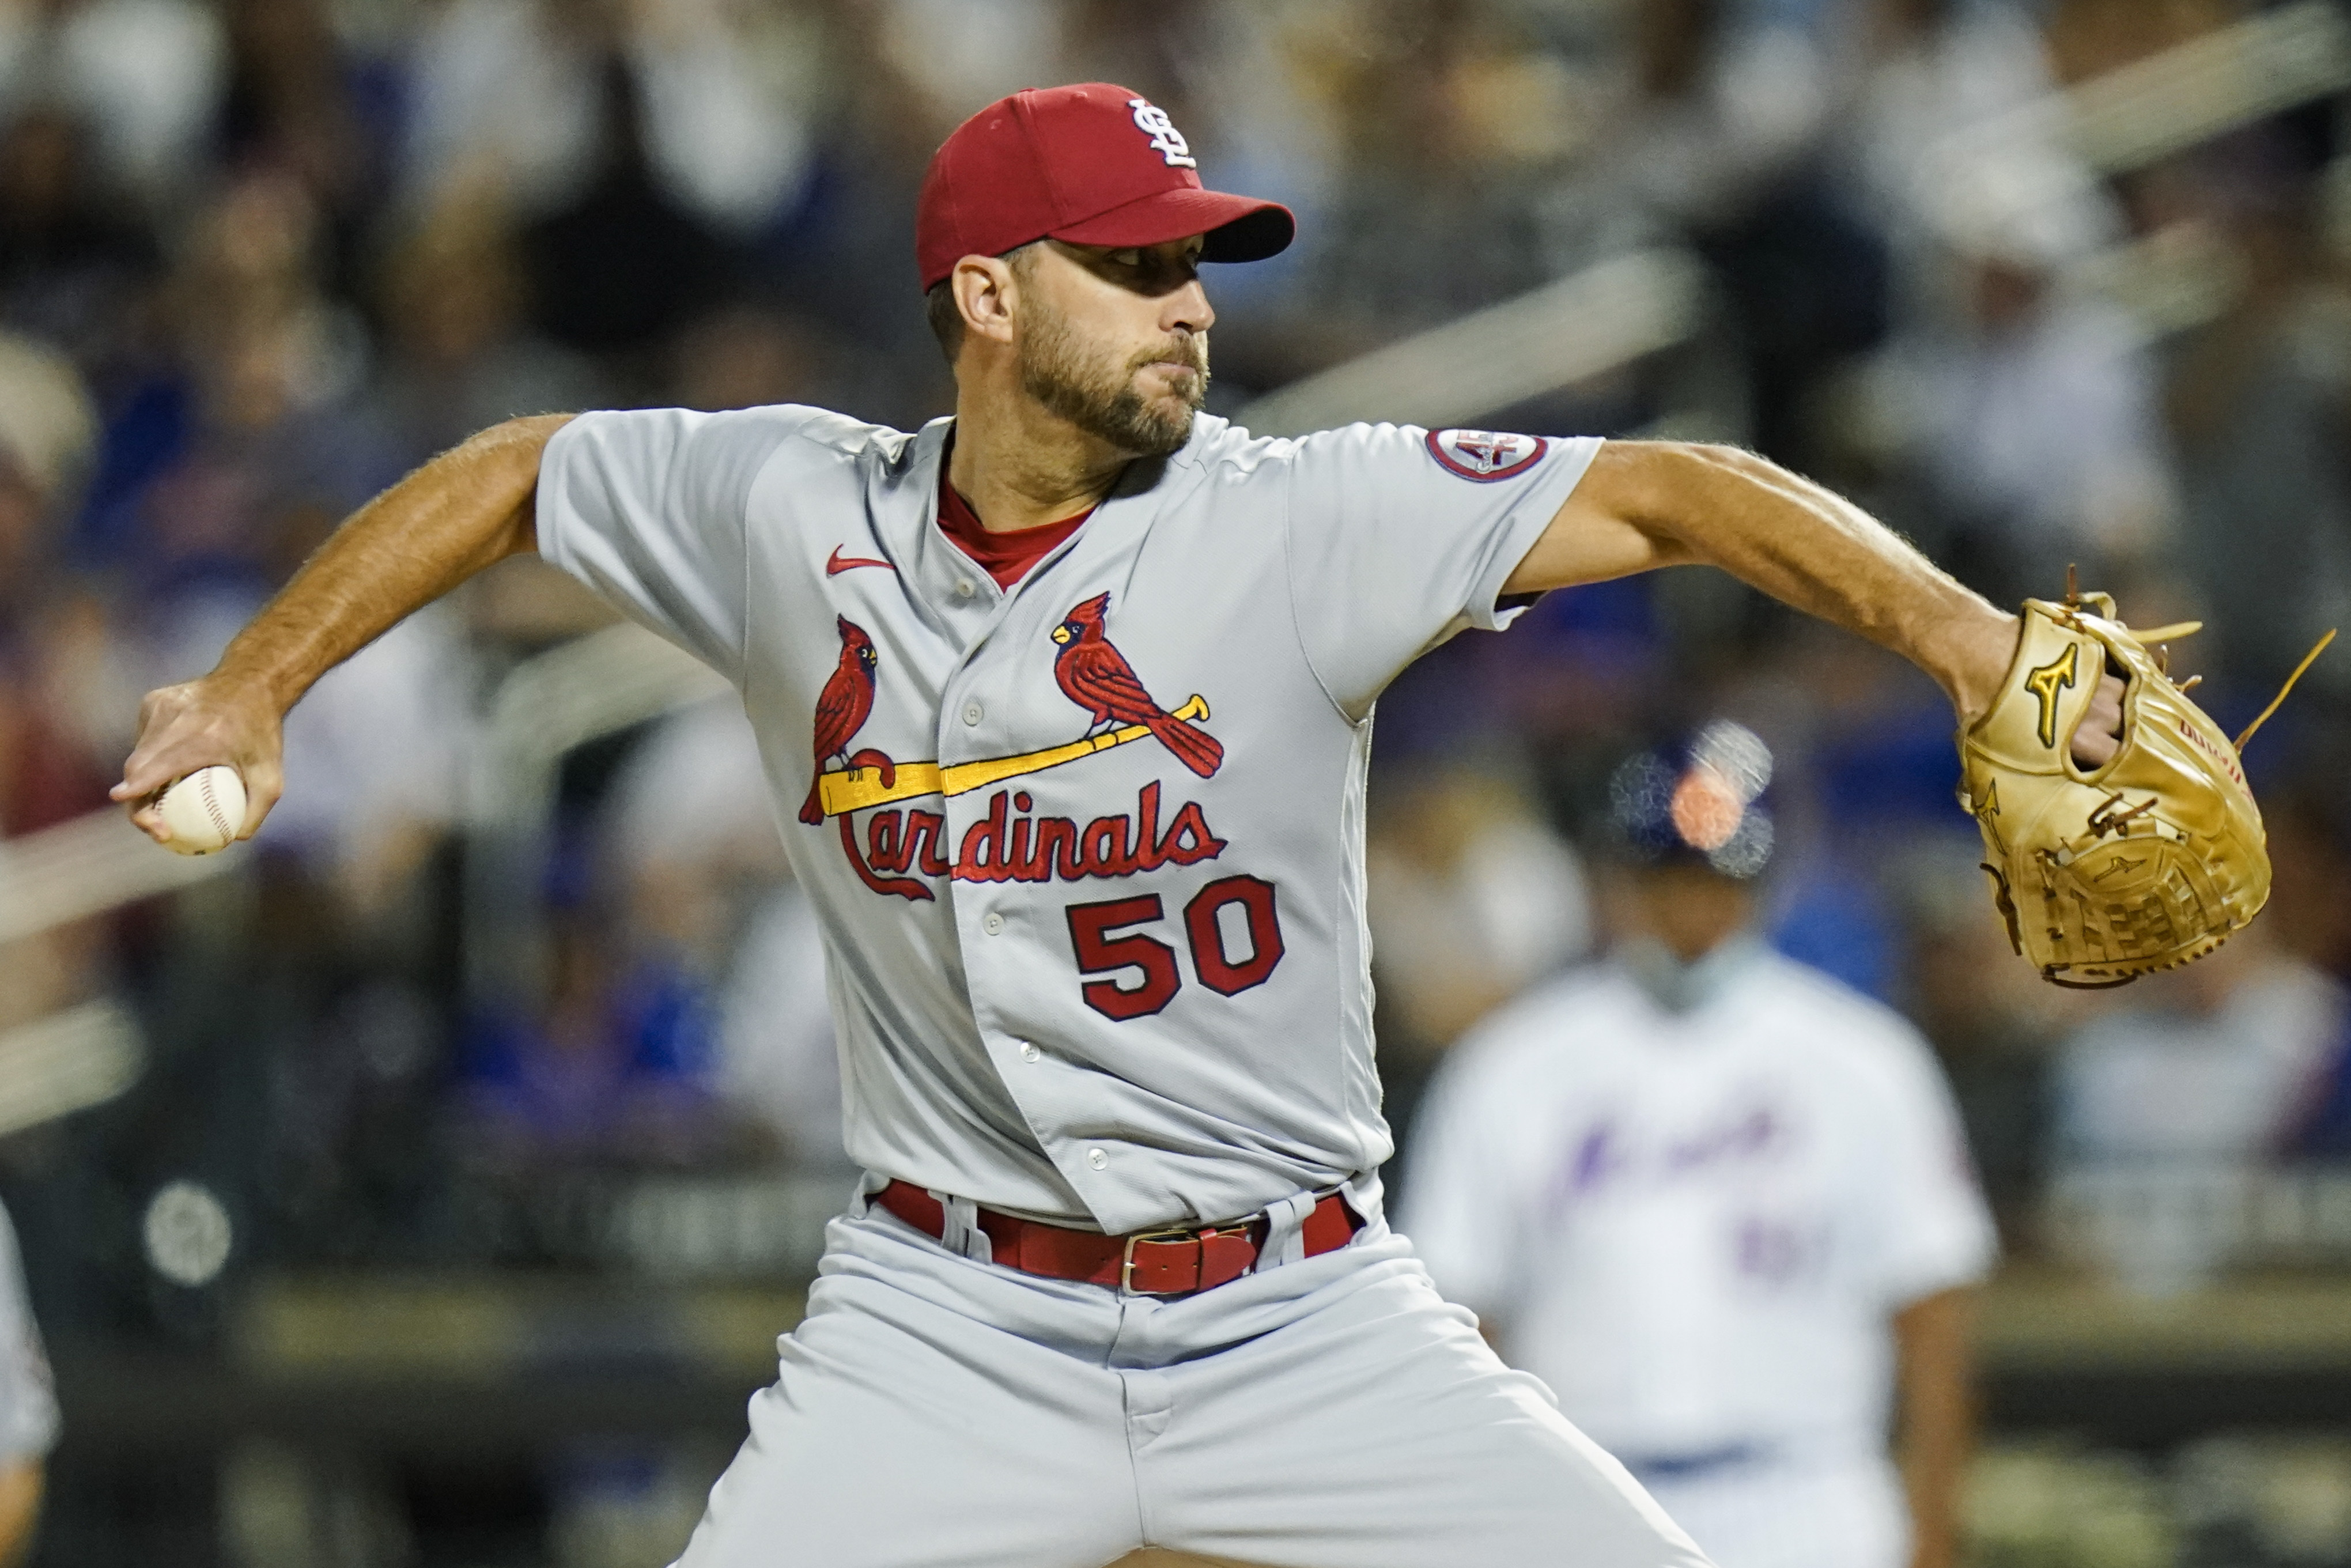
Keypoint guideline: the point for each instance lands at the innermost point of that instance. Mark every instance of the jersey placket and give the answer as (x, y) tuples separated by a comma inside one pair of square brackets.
[(997, 928)]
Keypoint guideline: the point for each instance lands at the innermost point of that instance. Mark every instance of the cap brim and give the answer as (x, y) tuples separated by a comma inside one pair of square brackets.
[(1237, 228)]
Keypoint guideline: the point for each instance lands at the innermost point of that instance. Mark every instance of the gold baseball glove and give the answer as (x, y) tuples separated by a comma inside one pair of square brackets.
[(2142, 864)]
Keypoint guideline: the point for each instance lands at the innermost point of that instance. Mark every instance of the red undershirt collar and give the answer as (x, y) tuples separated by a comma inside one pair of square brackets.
[(1007, 556)]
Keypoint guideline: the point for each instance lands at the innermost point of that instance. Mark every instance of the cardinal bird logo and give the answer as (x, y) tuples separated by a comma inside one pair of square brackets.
[(1096, 676), (841, 709)]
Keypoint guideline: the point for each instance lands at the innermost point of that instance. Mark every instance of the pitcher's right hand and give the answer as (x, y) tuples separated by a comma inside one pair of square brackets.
[(198, 724)]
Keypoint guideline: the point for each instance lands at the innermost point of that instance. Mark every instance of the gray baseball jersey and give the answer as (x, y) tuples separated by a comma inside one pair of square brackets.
[(1088, 852)]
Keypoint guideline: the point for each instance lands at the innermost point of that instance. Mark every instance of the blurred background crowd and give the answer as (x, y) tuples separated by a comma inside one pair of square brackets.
[(485, 1061)]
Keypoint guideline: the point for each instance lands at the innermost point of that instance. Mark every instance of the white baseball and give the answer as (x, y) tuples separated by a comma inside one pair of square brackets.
[(203, 811)]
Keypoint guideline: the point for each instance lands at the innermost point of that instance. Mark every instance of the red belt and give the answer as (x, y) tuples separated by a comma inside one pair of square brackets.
[(1148, 1263)]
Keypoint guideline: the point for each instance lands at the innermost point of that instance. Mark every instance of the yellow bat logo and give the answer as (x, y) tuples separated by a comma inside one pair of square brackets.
[(2046, 682), (847, 789)]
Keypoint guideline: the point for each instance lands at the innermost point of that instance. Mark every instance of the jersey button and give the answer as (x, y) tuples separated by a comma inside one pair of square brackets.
[(1031, 1054), (992, 923), (963, 588), (973, 713), (1097, 1159)]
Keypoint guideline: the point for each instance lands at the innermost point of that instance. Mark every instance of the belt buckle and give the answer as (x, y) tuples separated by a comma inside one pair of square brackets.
[(1126, 1258)]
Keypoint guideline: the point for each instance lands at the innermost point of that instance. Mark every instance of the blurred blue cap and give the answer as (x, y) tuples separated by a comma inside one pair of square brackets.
[(1697, 799)]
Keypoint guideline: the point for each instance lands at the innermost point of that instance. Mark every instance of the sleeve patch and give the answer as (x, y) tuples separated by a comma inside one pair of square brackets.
[(1485, 456)]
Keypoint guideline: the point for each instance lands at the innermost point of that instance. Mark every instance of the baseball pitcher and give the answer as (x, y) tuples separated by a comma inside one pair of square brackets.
[(1065, 704)]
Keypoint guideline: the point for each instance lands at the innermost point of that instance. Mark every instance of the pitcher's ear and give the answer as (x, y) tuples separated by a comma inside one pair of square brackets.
[(987, 294)]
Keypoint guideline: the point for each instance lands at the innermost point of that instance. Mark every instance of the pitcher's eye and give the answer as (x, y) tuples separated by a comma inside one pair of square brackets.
[(1126, 257)]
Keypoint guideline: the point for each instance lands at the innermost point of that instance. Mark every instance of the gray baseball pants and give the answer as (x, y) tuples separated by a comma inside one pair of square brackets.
[(932, 1411)]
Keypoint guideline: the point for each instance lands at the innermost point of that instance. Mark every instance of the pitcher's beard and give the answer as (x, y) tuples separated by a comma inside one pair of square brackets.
[(1100, 399)]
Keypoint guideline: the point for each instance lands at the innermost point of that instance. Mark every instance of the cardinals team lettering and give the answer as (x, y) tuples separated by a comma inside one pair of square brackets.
[(1009, 843)]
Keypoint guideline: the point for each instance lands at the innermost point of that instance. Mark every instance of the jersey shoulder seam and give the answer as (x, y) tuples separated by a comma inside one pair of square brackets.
[(841, 433), (1290, 594), (800, 425)]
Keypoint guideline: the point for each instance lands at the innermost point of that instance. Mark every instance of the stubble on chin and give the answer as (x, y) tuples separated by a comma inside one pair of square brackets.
[(1101, 399)]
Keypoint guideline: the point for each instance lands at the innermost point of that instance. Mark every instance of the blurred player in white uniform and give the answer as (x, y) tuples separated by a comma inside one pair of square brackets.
[(28, 1408), (1719, 1203)]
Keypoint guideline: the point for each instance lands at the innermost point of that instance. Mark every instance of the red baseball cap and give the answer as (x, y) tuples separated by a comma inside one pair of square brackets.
[(1093, 164)]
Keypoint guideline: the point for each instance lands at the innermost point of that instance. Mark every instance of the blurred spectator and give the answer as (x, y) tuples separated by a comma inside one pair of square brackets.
[(533, 89), (961, 55), (1718, 1203), (1933, 138), (460, 354), (691, 822), (299, 101), (374, 761), (1714, 115), (1994, 1022), (1470, 897), (73, 255), (743, 357), (624, 262), (2308, 821), (2325, 1129), (49, 769), (146, 75), (2212, 1065), (2171, 1103), (2260, 400), (2030, 416), (612, 1071), (1449, 119), (1718, 138), (48, 431), (225, 462)]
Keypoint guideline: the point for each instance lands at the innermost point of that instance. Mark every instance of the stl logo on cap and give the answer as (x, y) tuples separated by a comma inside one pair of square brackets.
[(1068, 163), (1485, 455), (1165, 139)]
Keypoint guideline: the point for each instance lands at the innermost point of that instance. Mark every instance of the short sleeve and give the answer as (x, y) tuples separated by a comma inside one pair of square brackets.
[(28, 1401), (1927, 1227), (1399, 538), (1455, 1205), (649, 508)]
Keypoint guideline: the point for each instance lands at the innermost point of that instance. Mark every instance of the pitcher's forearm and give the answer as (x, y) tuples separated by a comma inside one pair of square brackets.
[(1810, 547), (1652, 504), (468, 509)]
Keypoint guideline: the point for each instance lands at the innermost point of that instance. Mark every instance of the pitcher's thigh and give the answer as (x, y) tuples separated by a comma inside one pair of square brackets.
[(898, 1436), (1382, 1432)]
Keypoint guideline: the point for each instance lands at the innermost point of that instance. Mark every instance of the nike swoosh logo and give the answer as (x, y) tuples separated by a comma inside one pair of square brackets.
[(840, 563)]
